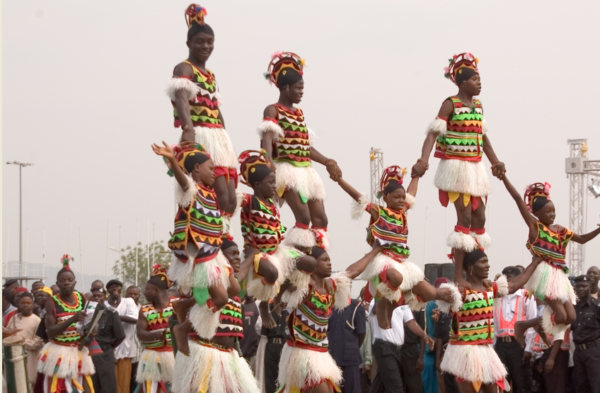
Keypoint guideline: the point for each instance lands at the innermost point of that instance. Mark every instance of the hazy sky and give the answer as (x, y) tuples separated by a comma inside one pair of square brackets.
[(83, 99)]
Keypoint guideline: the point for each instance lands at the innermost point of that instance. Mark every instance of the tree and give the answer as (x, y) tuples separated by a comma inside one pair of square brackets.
[(158, 254)]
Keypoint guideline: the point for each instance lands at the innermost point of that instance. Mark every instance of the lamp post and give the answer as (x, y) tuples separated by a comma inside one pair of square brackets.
[(21, 166)]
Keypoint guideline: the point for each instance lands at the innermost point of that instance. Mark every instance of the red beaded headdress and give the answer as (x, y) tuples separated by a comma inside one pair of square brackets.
[(534, 191), (391, 173), (458, 63), (195, 13), (160, 272), (280, 61), (66, 260), (248, 160)]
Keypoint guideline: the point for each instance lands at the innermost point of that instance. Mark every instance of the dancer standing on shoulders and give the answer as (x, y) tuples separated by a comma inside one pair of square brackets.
[(393, 279), (196, 103), (65, 367), (289, 144), (548, 241), (262, 231), (459, 134), (470, 356), (155, 368)]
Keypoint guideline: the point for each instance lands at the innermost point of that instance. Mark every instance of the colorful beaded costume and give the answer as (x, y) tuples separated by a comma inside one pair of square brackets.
[(231, 322), (463, 139)]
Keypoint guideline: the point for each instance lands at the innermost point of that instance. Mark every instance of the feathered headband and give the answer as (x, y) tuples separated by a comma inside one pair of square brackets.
[(182, 152), (195, 13), (66, 260), (281, 62), (534, 191), (458, 63), (391, 174), (254, 166)]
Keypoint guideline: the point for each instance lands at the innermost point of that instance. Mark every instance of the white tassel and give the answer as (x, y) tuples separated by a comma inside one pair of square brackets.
[(464, 177), (204, 321), (239, 199), (502, 284), (413, 302), (301, 281), (312, 137), (299, 237), (388, 293), (260, 290), (69, 361), (461, 241), (438, 126), (304, 180), (269, 126), (155, 366), (176, 84), (484, 127), (484, 240), (473, 363), (457, 302), (220, 99), (217, 143), (547, 324), (300, 368), (358, 208), (324, 238), (410, 199), (343, 289), (185, 197)]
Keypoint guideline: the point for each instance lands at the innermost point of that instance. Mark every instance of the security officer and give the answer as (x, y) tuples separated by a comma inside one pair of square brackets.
[(586, 337), (347, 329)]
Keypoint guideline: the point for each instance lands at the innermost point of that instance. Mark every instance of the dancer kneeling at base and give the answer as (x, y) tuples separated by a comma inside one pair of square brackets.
[(392, 279), (470, 356), (549, 241)]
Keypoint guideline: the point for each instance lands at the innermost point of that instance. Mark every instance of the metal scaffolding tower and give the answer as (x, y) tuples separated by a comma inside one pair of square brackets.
[(376, 156), (578, 167)]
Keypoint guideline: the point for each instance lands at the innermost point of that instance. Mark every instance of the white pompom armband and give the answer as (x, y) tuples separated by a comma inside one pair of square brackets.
[(176, 84), (438, 126)]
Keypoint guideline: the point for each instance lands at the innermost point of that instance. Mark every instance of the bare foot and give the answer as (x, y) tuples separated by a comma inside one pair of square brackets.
[(542, 334), (520, 333), (181, 332)]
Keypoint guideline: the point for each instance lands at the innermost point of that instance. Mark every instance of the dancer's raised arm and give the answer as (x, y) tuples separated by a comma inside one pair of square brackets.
[(498, 168), (530, 219), (519, 282), (167, 152), (582, 239), (359, 266)]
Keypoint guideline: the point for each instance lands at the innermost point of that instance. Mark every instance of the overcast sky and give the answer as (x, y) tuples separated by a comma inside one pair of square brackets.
[(83, 99)]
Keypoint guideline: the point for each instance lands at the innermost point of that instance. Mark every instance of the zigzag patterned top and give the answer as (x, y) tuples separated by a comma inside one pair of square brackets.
[(204, 108), (71, 336), (261, 224), (158, 320), (474, 323), (294, 147), (464, 133), (308, 322), (200, 223), (390, 230), (231, 323), (551, 246)]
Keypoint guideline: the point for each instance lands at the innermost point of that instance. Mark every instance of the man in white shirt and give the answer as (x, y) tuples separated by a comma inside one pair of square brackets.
[(509, 310), (387, 344), (127, 350)]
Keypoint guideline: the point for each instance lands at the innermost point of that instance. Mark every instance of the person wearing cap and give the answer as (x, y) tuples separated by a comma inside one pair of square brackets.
[(41, 297), (11, 285), (594, 275), (586, 337), (15, 300), (127, 350), (509, 310)]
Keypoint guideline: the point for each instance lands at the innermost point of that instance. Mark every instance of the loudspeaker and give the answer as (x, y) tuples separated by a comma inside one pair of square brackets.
[(436, 270)]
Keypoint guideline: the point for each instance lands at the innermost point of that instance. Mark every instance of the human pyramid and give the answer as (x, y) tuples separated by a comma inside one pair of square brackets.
[(293, 267)]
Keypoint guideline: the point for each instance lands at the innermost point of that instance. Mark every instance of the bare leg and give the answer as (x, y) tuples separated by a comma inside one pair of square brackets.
[(317, 213), (225, 194), (560, 314), (384, 309), (300, 210), (478, 216), (522, 326), (323, 387), (182, 307), (181, 332), (571, 315), (467, 387)]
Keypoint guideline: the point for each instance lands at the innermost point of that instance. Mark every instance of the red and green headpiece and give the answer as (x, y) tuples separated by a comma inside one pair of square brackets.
[(536, 196), (194, 152), (194, 18), (391, 180), (458, 65), (254, 166), (159, 277), (285, 68)]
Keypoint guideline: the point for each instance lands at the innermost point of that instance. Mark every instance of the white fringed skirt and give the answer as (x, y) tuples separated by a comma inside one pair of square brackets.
[(550, 282), (217, 143), (474, 363), (304, 180), (464, 177), (303, 369)]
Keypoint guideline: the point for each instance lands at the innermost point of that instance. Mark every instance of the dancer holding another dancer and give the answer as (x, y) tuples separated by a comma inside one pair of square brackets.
[(196, 103), (470, 356), (289, 146), (548, 241), (459, 134), (392, 278)]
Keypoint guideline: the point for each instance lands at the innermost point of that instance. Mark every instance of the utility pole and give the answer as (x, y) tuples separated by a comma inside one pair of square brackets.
[(21, 166), (376, 157)]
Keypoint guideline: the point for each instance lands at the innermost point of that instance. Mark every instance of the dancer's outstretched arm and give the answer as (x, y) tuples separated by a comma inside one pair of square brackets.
[(498, 168), (518, 282), (332, 167), (529, 218), (582, 239), (359, 266), (413, 186), (167, 152), (422, 164), (354, 194)]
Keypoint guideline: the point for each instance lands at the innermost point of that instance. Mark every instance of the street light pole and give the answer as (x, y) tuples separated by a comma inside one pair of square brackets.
[(21, 165)]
